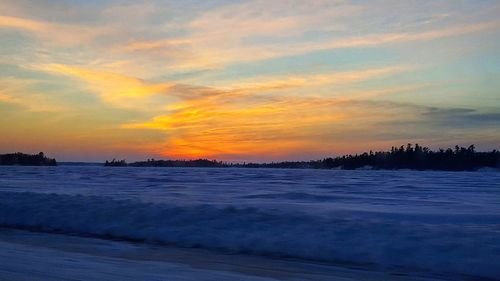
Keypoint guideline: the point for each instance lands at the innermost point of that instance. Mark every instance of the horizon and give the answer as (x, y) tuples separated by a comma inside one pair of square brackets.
[(254, 162), (246, 81)]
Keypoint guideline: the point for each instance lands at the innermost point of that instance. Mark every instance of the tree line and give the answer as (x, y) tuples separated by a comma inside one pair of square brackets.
[(26, 159), (169, 163), (404, 157)]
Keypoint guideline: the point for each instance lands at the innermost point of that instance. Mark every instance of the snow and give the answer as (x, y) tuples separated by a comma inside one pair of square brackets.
[(442, 222), (41, 263), (43, 257)]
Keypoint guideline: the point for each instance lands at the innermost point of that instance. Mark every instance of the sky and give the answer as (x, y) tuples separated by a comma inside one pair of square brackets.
[(246, 80)]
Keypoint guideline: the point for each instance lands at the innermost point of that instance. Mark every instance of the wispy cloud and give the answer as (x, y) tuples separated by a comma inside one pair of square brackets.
[(115, 89), (463, 117), (53, 33), (19, 92), (313, 80), (249, 32), (388, 38), (158, 44)]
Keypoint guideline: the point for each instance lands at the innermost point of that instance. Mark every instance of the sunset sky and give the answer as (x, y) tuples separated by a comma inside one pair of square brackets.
[(246, 80)]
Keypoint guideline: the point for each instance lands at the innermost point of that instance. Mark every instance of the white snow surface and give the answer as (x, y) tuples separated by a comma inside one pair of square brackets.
[(443, 222)]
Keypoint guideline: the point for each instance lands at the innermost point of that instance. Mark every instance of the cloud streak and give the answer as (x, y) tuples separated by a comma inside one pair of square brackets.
[(243, 33), (53, 33), (19, 92), (115, 89)]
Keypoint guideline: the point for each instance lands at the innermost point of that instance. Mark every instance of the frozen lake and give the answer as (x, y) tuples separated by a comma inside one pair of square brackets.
[(444, 223)]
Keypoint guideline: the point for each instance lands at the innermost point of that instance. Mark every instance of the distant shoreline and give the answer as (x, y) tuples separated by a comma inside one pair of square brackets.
[(100, 164), (480, 169), (409, 157)]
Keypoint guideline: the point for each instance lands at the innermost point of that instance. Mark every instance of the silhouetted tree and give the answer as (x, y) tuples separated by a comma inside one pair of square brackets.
[(27, 159)]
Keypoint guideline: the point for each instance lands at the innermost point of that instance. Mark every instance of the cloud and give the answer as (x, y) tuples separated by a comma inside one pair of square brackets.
[(238, 126), (468, 118), (231, 129), (129, 92), (23, 24), (232, 33), (54, 33), (262, 30), (19, 92), (314, 80), (159, 44), (114, 89), (388, 38), (234, 126)]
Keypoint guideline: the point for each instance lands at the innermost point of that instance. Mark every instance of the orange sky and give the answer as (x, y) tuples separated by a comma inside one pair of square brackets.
[(247, 80)]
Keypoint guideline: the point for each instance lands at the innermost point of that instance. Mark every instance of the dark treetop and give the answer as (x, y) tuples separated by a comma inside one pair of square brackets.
[(404, 157), (26, 159)]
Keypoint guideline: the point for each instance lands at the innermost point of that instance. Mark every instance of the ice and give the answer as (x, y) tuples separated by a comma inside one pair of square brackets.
[(443, 222)]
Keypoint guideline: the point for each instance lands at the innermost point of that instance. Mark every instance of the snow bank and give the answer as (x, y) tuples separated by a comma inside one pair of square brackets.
[(463, 246)]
